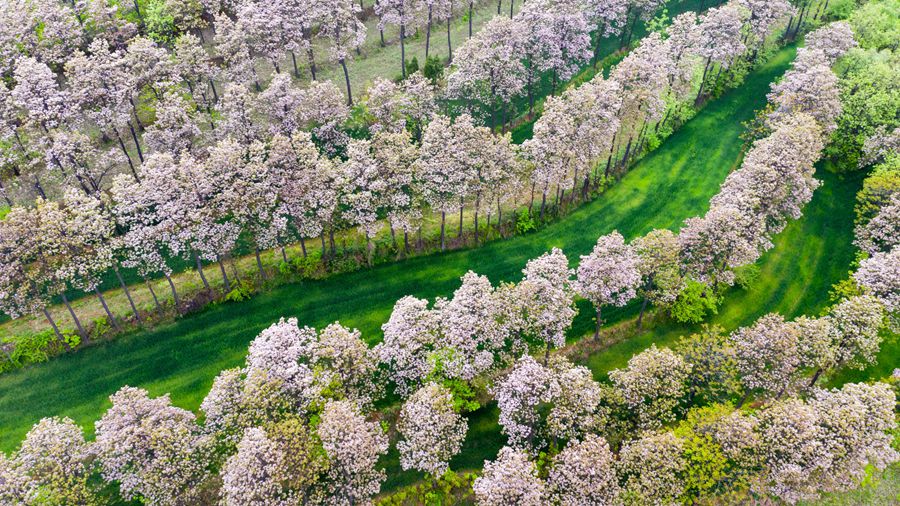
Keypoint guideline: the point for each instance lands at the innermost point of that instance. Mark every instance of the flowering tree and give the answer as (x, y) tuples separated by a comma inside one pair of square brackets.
[(579, 409), (833, 39), (353, 446), (583, 473), (152, 449), (857, 321), (765, 15), (520, 397), (488, 70), (879, 276), (510, 479), (470, 338), (882, 232), (791, 452), (432, 431), (653, 385), (714, 244), (55, 456), (719, 38), (401, 13), (340, 25), (409, 338), (343, 352), (658, 255), (767, 355), (174, 130), (608, 275), (651, 469), (281, 102), (810, 87)]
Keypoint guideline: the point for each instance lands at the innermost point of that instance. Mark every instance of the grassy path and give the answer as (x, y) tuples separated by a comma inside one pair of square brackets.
[(670, 185)]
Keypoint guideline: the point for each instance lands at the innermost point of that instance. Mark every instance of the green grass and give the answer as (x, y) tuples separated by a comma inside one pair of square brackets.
[(673, 183)]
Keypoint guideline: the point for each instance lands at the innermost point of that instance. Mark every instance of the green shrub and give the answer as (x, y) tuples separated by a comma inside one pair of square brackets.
[(100, 328), (433, 69), (524, 222), (33, 348), (159, 23), (241, 290), (746, 275), (695, 302), (412, 66)]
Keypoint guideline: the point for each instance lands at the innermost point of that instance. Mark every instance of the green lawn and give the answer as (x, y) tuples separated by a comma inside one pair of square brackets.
[(673, 183)]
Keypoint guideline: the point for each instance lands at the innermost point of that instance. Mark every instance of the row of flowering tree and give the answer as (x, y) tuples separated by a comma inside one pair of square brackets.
[(276, 167)]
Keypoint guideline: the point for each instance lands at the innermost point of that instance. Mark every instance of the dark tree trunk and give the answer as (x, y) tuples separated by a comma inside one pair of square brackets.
[(443, 227), (137, 143), (347, 81), (428, 32), (55, 328), (302, 248), (471, 4), (153, 294), (459, 234), (200, 271), (127, 156), (702, 81), (174, 293), (449, 42), (134, 308), (112, 319), (259, 264), (294, 62), (599, 324), (403, 50), (224, 275), (641, 315), (78, 326), (311, 61)]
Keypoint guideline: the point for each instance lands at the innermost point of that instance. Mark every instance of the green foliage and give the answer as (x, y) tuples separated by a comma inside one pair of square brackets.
[(870, 97), (412, 66), (433, 69), (841, 290), (695, 302), (524, 222), (840, 9), (240, 290), (876, 24), (660, 22), (4, 210), (745, 276), (32, 348), (451, 488), (100, 328), (71, 338), (879, 186), (159, 23)]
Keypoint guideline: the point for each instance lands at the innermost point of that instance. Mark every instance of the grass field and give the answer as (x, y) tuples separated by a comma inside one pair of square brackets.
[(672, 184)]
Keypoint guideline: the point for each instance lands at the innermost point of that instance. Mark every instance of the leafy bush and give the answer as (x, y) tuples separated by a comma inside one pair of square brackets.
[(100, 328), (160, 24), (241, 290), (746, 275), (433, 69), (412, 66), (695, 302), (524, 222)]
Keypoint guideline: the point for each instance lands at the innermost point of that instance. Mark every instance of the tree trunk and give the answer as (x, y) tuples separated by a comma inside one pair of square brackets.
[(460, 232), (224, 275), (403, 50), (543, 204), (302, 248), (137, 143), (511, 5), (311, 61), (428, 32), (599, 324), (443, 226), (702, 81), (200, 271), (347, 81), (262, 271), (127, 156), (815, 377), (499, 4), (641, 315), (153, 293), (406, 242), (112, 319), (449, 42), (134, 308), (55, 328), (477, 203), (174, 293), (471, 4), (294, 62), (78, 326)]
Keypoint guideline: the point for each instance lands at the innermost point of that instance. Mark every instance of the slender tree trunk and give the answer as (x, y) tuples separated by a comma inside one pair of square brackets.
[(294, 62), (311, 61), (153, 293), (815, 378), (259, 264), (302, 248), (137, 10), (39, 188), (78, 325), (137, 143), (499, 4), (443, 226), (511, 5), (347, 81), (543, 204), (112, 319), (200, 271), (174, 293), (224, 275), (641, 315), (449, 42), (136, 117), (471, 4), (459, 234), (403, 49), (127, 156), (428, 31), (134, 308), (283, 254), (406, 241), (477, 204), (702, 81), (55, 328), (324, 250), (599, 324)]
